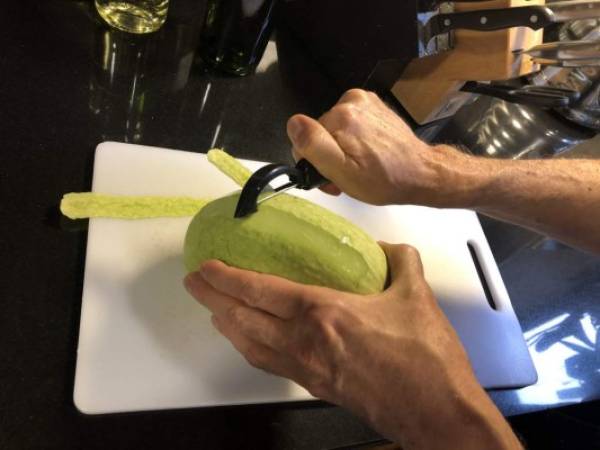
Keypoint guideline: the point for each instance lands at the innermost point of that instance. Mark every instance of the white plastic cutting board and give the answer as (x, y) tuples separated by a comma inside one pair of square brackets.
[(145, 344)]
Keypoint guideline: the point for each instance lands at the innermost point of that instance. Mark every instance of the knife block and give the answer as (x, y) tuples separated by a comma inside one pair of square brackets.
[(429, 87)]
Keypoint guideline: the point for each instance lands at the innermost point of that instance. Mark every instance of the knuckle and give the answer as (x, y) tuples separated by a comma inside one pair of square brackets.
[(254, 357), (420, 295), (424, 293), (373, 96), (346, 113), (323, 318), (244, 287), (233, 316), (314, 315), (306, 298), (252, 290), (317, 388), (340, 137), (409, 252), (355, 95)]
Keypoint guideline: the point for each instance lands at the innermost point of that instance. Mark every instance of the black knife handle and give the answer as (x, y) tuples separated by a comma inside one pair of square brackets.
[(311, 178), (534, 17)]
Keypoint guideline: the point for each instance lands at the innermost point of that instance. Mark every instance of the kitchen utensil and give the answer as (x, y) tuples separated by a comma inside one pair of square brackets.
[(303, 176), (145, 344), (534, 17), (564, 51), (584, 79), (540, 96), (235, 34), (594, 62)]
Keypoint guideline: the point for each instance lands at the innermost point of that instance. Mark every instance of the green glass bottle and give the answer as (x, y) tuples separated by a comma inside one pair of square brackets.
[(235, 34)]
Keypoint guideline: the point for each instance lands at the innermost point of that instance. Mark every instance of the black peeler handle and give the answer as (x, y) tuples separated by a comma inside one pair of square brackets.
[(310, 177), (303, 176)]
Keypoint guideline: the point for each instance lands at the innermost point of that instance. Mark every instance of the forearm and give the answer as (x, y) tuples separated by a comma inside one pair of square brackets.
[(465, 418), (559, 198), (440, 416), (472, 421), (447, 408)]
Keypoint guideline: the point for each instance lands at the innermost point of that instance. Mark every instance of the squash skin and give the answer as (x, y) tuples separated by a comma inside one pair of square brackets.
[(289, 237)]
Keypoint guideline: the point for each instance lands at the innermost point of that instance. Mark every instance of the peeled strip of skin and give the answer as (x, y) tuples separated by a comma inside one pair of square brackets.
[(229, 166), (83, 205)]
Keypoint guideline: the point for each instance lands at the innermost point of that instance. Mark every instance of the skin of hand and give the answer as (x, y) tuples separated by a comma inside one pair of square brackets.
[(368, 152), (392, 358)]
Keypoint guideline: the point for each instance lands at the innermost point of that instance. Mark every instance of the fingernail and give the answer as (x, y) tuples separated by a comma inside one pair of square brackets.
[(204, 273), (295, 129), (190, 281)]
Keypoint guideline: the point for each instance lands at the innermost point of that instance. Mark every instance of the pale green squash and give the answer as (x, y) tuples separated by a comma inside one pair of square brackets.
[(289, 237)]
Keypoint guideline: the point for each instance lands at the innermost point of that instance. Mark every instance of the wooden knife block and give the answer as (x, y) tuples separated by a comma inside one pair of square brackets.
[(429, 88)]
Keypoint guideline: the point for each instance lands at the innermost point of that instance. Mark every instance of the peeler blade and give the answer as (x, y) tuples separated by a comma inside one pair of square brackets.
[(303, 176)]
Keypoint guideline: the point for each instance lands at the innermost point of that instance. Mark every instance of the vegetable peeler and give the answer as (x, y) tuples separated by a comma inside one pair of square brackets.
[(301, 176)]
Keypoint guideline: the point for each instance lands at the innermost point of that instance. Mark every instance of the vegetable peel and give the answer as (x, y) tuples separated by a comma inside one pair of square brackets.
[(83, 205)]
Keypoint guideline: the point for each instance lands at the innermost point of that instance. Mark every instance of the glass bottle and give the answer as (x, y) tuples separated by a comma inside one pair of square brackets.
[(134, 16), (235, 34)]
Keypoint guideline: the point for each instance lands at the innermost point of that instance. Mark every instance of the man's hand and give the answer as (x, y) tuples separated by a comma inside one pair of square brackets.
[(392, 358), (369, 153)]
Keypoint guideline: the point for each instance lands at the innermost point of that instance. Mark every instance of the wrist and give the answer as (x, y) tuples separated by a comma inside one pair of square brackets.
[(453, 412), (465, 418), (474, 422), (461, 179)]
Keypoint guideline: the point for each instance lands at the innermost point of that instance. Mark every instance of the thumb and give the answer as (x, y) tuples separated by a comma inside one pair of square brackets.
[(314, 143), (404, 264)]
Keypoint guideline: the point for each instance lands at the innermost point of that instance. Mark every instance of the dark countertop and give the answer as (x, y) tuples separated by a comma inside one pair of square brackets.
[(67, 82)]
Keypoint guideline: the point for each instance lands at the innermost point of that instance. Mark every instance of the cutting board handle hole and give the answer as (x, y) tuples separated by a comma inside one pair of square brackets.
[(481, 275)]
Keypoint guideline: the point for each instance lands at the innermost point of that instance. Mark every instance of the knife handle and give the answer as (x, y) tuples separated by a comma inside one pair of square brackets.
[(534, 17), (311, 178)]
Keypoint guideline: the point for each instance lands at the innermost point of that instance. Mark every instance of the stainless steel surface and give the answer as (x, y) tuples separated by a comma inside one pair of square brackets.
[(499, 129), (568, 50), (574, 10), (586, 112), (567, 63), (583, 79), (277, 191)]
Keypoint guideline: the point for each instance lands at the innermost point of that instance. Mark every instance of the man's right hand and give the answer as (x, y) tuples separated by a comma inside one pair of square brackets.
[(368, 152)]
